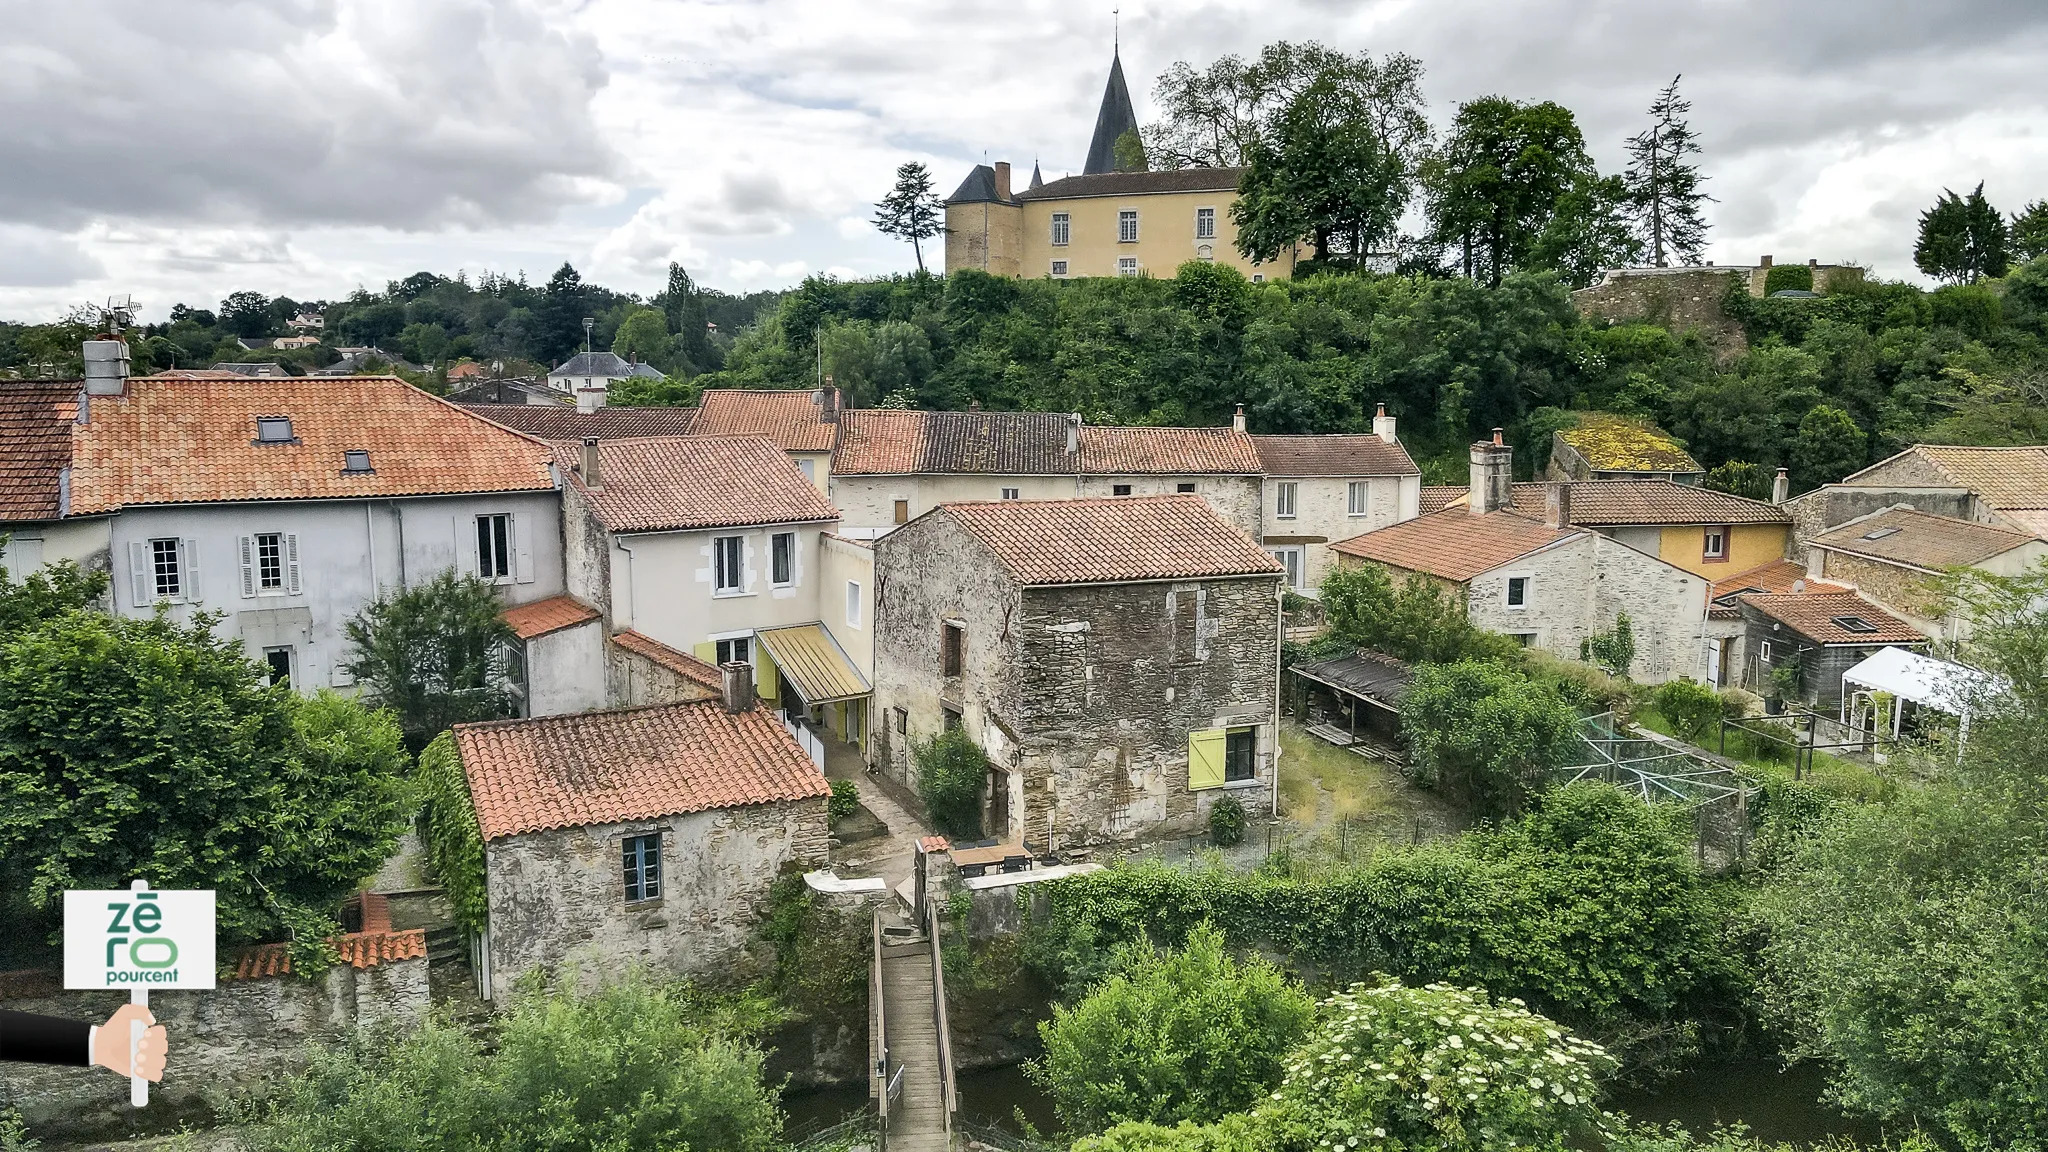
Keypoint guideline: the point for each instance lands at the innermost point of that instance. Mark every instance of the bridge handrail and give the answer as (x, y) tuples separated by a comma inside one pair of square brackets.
[(947, 1096), (878, 1036)]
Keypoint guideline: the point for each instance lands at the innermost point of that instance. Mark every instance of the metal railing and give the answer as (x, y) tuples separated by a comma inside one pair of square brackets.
[(948, 1095), (878, 1040)]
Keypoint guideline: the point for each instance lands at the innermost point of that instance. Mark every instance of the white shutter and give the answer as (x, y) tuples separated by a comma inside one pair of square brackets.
[(522, 552), (247, 546), (141, 575), (188, 570), (291, 563), (465, 544)]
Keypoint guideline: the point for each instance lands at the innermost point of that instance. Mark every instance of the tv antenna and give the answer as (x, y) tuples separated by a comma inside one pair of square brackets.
[(119, 313)]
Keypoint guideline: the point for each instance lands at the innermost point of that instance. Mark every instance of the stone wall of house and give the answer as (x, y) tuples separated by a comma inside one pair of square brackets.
[(1906, 591), (586, 552), (632, 679), (1679, 298), (1834, 505), (220, 1041), (558, 900), (1578, 588)]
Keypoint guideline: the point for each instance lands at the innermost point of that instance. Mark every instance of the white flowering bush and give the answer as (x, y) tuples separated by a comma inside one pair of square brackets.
[(1437, 1068)]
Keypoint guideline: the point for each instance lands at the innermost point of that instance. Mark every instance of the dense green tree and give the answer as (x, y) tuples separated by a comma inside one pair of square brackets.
[(46, 593), (1663, 182), (682, 305), (1739, 478), (1827, 447), (1589, 230), (423, 344), (2029, 231), (1416, 620), (1184, 1034), (563, 306), (1485, 733), (434, 654), (246, 314), (911, 211), (951, 772), (1961, 239), (643, 338), (1496, 181)]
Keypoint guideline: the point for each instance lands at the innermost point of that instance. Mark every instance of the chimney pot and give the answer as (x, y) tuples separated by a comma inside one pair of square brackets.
[(590, 397), (1383, 425), (739, 685), (1237, 421), (1003, 181), (1781, 486), (591, 477), (974, 405), (1497, 432)]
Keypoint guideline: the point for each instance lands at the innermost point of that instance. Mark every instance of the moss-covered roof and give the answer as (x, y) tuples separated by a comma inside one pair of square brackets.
[(1613, 443)]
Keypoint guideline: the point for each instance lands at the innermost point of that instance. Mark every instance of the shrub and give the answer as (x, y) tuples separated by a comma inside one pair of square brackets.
[(1226, 822), (1186, 1035), (845, 801), (1694, 709), (951, 771), (1418, 620), (448, 829), (1792, 277), (434, 654), (1614, 650), (1485, 733), (1580, 685)]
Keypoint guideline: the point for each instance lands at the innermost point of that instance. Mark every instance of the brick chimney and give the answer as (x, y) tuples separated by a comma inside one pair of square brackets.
[(1383, 425), (828, 401), (739, 686), (1003, 181), (1237, 421), (106, 366), (1764, 263), (1493, 474), (1781, 486), (592, 477), (1557, 504)]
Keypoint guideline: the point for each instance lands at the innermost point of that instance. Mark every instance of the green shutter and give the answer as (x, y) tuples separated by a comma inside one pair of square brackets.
[(1205, 759)]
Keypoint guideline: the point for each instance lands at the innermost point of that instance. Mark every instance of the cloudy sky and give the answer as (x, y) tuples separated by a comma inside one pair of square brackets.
[(181, 149)]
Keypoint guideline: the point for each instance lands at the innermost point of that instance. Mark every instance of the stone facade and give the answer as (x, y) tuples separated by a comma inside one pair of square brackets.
[(1910, 483), (557, 898), (1908, 592), (1679, 298), (631, 680), (1082, 696)]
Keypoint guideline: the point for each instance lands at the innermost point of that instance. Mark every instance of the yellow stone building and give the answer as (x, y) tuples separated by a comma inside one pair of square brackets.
[(1114, 219)]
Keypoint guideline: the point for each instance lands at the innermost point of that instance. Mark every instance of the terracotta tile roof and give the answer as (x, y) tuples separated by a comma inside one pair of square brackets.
[(1140, 451), (1618, 502), (357, 950), (1437, 497), (792, 418), (881, 442), (1778, 577), (1345, 455), (189, 441), (629, 764), (1814, 615), (1111, 540), (681, 663), (550, 615), (562, 422), (2001, 477), (1453, 544), (933, 844), (35, 430), (1613, 443), (664, 483), (2031, 520), (1906, 536)]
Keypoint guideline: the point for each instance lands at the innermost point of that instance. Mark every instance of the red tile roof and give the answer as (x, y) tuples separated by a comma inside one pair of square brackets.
[(792, 418), (357, 950), (884, 442), (1346, 455), (665, 483), (189, 440), (629, 764), (1616, 503), (681, 663), (1146, 451), (1112, 540), (1922, 540), (1454, 544), (562, 422), (35, 446), (1437, 497), (1777, 576), (553, 614), (1813, 615), (2003, 478)]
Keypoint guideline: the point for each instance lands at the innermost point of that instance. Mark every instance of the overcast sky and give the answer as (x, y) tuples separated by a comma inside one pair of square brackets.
[(181, 149)]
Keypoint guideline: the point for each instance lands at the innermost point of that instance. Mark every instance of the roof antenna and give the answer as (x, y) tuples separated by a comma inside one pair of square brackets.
[(1116, 31)]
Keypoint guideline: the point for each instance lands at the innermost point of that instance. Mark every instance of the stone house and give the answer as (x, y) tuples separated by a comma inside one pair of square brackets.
[(642, 836), (1821, 633), (1323, 488), (2002, 487), (1117, 659), (1603, 446), (1727, 636), (1543, 580), (1895, 557)]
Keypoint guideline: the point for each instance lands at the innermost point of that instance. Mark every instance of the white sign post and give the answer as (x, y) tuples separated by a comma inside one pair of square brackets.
[(138, 939)]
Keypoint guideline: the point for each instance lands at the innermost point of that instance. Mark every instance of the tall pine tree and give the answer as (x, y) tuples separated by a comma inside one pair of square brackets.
[(911, 211), (1664, 183)]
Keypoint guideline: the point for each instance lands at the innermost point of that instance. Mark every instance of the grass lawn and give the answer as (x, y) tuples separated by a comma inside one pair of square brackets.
[(1323, 788)]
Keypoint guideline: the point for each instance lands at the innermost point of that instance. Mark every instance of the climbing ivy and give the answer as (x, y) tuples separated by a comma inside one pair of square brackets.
[(448, 825)]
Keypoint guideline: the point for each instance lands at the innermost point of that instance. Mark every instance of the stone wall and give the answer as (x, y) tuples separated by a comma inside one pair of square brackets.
[(586, 552), (558, 901), (1906, 591), (1678, 298), (985, 236), (220, 1041), (1576, 590), (1834, 505), (632, 679)]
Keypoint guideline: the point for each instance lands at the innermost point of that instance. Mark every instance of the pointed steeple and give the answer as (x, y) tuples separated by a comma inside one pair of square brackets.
[(1037, 181), (1111, 123)]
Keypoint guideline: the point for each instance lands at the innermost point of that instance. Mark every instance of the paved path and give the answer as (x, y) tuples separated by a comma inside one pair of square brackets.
[(890, 857)]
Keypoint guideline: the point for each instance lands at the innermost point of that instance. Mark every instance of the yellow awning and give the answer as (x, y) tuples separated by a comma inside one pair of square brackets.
[(814, 662)]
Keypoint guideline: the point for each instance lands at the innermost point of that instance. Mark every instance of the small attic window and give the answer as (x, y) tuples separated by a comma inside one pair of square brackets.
[(1881, 533), (273, 430), (356, 460), (1854, 624)]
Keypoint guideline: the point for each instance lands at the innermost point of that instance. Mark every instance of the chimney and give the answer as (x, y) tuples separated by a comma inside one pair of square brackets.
[(106, 366), (1557, 504), (828, 401), (739, 686), (974, 405), (1003, 181), (1764, 263), (1781, 487), (590, 397), (1493, 472), (591, 476), (1383, 425), (1237, 421), (1073, 433)]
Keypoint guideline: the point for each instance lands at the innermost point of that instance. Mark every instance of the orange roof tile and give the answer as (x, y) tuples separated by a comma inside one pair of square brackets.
[(1148, 451), (191, 440), (1815, 615), (553, 614), (1437, 497), (1112, 540), (35, 447), (666, 483), (886, 442), (792, 418), (2003, 478), (612, 422), (356, 949), (1454, 544), (681, 663), (1921, 540), (1345, 455), (1777, 576), (629, 764)]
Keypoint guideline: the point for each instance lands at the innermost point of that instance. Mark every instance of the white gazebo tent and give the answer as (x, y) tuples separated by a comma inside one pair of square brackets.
[(1923, 680)]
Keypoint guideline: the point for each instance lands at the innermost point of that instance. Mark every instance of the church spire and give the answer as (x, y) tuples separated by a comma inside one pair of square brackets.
[(1116, 118)]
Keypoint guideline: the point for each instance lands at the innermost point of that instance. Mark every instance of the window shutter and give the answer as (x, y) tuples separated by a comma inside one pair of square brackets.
[(188, 571), (522, 552), (465, 544), (1205, 759), (141, 575), (246, 547), (291, 563)]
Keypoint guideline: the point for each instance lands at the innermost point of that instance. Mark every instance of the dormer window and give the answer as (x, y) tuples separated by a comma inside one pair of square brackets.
[(356, 460), (273, 430)]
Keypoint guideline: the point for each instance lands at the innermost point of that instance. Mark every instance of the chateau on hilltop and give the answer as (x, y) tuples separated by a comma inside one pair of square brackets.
[(1114, 219)]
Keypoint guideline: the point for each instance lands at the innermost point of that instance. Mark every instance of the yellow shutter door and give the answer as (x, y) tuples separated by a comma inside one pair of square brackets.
[(1205, 759)]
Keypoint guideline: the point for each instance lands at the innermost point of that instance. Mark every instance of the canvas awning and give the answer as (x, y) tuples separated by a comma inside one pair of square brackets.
[(813, 661), (1926, 681)]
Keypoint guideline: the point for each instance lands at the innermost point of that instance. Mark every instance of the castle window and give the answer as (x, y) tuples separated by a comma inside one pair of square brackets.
[(1127, 266), (1127, 226), (1205, 223), (1059, 267), (1062, 229)]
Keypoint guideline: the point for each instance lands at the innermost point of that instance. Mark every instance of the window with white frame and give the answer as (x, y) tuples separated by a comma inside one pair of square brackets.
[(1127, 226), (1358, 496), (494, 546), (166, 569), (1062, 230), (270, 564), (736, 650), (853, 603), (1518, 592), (1283, 499), (782, 559), (1290, 558), (163, 569), (1011, 494), (728, 564), (1205, 223), (1127, 266), (1716, 547), (1059, 267)]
